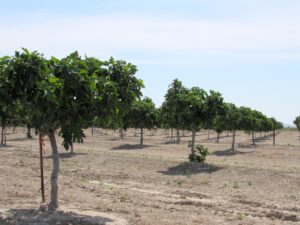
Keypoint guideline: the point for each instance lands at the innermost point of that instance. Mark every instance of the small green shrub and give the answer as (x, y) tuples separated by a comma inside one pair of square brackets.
[(201, 154)]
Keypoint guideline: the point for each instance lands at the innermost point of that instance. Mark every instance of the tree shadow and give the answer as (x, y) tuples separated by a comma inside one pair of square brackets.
[(6, 146), (132, 147), (241, 145), (229, 152), (191, 168), (67, 155), (22, 139), (30, 217)]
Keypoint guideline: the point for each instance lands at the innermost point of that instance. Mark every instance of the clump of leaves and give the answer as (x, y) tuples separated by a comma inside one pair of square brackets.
[(201, 154)]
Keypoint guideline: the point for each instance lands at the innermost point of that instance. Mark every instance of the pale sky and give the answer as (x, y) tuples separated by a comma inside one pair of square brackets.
[(249, 50)]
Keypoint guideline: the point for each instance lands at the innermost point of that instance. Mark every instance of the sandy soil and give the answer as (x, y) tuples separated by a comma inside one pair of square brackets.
[(114, 181)]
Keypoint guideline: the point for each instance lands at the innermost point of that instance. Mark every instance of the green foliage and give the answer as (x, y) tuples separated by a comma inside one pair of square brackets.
[(172, 106), (143, 114), (201, 154), (297, 122), (193, 112), (67, 93)]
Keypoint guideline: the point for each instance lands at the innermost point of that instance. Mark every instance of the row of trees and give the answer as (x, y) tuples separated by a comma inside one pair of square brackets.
[(195, 109), (70, 94)]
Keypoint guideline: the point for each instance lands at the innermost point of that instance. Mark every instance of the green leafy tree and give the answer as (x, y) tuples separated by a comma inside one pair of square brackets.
[(233, 119), (172, 106), (66, 94), (215, 113), (143, 114), (6, 98), (297, 122), (275, 125), (193, 113)]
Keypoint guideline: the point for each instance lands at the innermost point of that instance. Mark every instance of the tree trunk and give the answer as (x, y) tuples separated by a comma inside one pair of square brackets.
[(28, 135), (92, 131), (233, 141), (178, 136), (135, 133), (5, 133), (218, 137), (142, 137), (274, 137), (55, 171), (72, 148), (193, 152), (41, 142), (172, 134), (208, 133), (227, 133), (2, 134), (253, 138), (121, 130), (14, 130)]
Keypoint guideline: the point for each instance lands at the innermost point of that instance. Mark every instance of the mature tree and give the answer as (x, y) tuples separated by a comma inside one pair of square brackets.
[(215, 112), (172, 105), (6, 98), (143, 114), (233, 120), (297, 122), (193, 113), (275, 125), (66, 94)]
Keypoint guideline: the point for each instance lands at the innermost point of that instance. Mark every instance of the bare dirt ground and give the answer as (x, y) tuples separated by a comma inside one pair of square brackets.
[(114, 181)]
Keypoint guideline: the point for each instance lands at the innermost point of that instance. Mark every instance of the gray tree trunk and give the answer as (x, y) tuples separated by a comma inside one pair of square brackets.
[(28, 135), (274, 137), (178, 136), (142, 137), (233, 141), (208, 133), (253, 138), (55, 171), (72, 148), (3, 134), (193, 152), (135, 133), (218, 138), (122, 133)]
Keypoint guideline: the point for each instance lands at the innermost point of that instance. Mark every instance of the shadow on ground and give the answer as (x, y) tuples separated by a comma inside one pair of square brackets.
[(5, 146), (22, 139), (35, 217), (67, 155), (229, 152), (132, 147), (191, 168)]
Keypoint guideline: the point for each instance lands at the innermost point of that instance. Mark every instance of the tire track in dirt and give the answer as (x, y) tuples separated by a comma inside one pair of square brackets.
[(180, 199)]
